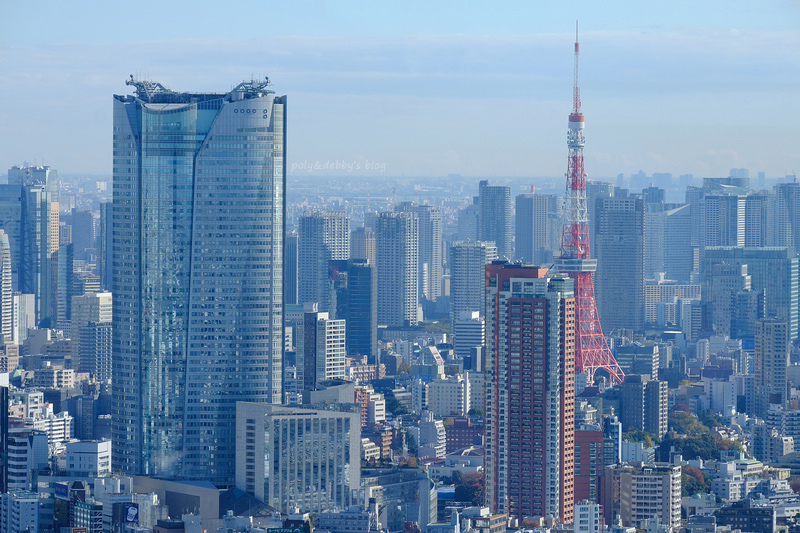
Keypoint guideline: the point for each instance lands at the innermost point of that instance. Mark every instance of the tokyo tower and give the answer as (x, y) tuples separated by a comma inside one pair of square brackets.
[(591, 350)]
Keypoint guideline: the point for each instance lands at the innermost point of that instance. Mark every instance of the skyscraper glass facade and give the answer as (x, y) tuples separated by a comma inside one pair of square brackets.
[(198, 227)]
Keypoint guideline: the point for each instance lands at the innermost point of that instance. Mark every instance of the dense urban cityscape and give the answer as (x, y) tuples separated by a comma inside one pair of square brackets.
[(217, 337)]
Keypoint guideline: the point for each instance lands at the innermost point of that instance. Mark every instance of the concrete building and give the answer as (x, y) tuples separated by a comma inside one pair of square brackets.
[(432, 436), (530, 402), (351, 520), (19, 511), (469, 331), (27, 453), (462, 433), (96, 349), (619, 249), (494, 218), (53, 377), (320, 349), (23, 316), (315, 456), (724, 220), (774, 271), (57, 426), (89, 458), (397, 249), (469, 221), (324, 236), (639, 492), (594, 191), (538, 227), (448, 397), (772, 347), (291, 278), (588, 517), (430, 248), (590, 460), (786, 215), (644, 404), (468, 260), (362, 245), (660, 300), (6, 289), (90, 308)]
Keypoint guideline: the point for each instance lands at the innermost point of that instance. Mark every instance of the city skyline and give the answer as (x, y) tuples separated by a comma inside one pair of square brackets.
[(714, 81)]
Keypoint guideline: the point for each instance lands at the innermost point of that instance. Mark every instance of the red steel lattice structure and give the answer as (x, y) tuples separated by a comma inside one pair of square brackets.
[(591, 350)]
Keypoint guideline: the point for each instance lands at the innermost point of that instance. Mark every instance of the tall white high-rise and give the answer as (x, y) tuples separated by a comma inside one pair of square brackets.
[(89, 308), (321, 348), (430, 248), (772, 348), (533, 228), (324, 236), (467, 277), (397, 246), (198, 229), (6, 292)]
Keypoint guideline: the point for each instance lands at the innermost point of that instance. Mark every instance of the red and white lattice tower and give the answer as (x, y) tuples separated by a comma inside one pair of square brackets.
[(591, 349)]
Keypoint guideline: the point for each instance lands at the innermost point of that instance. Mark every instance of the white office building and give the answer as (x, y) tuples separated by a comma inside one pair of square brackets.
[(19, 512), (89, 458), (314, 456)]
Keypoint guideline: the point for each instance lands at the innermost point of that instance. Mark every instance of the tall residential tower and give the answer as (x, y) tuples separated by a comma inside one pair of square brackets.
[(198, 228), (530, 391)]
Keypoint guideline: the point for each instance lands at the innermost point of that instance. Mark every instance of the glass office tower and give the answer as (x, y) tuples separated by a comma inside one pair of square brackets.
[(198, 229)]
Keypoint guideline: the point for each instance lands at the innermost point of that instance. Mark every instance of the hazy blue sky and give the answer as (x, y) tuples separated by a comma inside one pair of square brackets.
[(477, 88)]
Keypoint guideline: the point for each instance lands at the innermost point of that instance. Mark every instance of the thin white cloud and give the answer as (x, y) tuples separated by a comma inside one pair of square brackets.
[(513, 90)]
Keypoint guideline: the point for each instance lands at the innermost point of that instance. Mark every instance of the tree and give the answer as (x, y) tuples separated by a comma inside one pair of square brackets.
[(395, 407), (638, 435), (411, 527), (411, 442), (693, 481), (711, 418), (471, 488), (686, 423)]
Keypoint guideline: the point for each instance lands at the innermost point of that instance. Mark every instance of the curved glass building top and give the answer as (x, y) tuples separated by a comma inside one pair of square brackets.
[(197, 273)]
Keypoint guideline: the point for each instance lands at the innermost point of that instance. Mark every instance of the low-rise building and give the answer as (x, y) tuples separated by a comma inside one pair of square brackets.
[(89, 458), (352, 520), (298, 441), (369, 450), (588, 517), (19, 511), (643, 491)]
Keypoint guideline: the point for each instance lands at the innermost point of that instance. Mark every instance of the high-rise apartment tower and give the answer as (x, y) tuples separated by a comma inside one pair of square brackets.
[(530, 391)]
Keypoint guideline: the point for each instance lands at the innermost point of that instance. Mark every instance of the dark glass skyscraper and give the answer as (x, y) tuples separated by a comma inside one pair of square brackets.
[(198, 229), (494, 224)]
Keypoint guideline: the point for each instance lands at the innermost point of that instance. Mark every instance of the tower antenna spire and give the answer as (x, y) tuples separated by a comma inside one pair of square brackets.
[(591, 350), (576, 89)]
